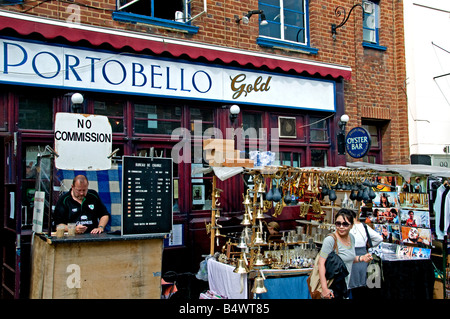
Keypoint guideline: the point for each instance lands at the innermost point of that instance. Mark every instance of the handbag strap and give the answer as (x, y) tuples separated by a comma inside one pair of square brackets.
[(369, 240), (335, 246)]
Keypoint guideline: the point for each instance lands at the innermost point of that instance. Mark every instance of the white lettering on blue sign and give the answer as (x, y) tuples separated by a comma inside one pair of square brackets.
[(358, 142)]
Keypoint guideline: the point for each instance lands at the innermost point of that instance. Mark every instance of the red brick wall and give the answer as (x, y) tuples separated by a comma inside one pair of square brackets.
[(376, 90)]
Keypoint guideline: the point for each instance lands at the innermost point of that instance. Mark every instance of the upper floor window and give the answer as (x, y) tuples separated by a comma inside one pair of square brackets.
[(170, 14), (287, 25), (371, 24), (318, 129)]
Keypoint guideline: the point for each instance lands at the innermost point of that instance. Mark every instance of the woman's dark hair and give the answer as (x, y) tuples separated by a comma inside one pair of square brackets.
[(347, 214)]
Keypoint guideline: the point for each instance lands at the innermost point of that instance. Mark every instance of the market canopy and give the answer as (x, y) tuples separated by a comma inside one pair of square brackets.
[(406, 170)]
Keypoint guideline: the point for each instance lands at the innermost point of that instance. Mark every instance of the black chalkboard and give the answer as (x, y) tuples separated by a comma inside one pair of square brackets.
[(146, 195)]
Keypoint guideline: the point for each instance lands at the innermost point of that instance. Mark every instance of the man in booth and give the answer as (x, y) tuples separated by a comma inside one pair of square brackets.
[(82, 206)]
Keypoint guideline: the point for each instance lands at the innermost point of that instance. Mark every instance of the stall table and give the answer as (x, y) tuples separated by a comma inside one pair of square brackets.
[(96, 266), (280, 283), (407, 279)]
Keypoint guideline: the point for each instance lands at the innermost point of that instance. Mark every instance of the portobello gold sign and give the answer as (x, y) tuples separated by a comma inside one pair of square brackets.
[(239, 86)]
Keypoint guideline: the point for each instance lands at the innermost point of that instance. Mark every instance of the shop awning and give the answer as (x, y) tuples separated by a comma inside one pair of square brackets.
[(119, 39), (406, 170)]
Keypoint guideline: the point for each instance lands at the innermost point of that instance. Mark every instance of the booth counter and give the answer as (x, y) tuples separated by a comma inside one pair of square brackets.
[(96, 266)]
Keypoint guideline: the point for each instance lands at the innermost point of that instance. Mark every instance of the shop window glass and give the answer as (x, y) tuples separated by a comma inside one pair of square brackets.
[(318, 129), (201, 117), (251, 120), (288, 158), (144, 150), (114, 112), (319, 158), (35, 113), (201, 188), (156, 119)]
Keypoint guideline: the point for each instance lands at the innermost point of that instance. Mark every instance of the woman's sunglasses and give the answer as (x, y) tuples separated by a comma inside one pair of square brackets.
[(344, 224)]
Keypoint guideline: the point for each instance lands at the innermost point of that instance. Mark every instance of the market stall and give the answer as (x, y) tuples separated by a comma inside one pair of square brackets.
[(317, 194), (96, 267)]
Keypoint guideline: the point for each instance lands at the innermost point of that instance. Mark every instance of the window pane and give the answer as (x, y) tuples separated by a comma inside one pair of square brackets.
[(318, 129), (149, 119), (370, 25), (373, 132), (296, 160), (114, 112), (139, 7), (29, 106), (294, 34), (250, 120), (297, 5), (200, 114), (369, 36), (318, 158), (273, 28), (165, 9)]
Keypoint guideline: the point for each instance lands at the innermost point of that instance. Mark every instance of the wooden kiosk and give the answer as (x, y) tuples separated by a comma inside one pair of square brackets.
[(124, 264), (96, 267)]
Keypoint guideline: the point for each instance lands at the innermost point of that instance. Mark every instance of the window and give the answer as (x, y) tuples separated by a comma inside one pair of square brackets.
[(319, 158), (251, 120), (201, 120), (374, 154), (114, 112), (170, 14), (318, 129), (371, 24), (293, 159), (287, 25), (156, 119), (29, 119)]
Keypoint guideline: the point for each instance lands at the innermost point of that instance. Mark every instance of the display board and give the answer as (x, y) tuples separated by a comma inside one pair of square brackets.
[(146, 195)]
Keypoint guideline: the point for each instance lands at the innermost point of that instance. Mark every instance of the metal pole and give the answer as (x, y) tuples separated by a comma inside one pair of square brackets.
[(50, 196)]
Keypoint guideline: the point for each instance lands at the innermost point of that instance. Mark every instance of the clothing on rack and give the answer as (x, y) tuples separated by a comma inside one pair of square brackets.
[(441, 209)]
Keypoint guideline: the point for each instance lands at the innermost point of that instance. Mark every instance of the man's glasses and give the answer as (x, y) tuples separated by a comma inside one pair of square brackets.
[(344, 224)]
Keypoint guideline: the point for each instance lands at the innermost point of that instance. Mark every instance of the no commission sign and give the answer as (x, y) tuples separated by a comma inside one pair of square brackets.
[(357, 142), (82, 141)]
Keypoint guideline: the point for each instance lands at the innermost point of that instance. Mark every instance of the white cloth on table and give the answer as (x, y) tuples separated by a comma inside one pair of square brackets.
[(223, 281)]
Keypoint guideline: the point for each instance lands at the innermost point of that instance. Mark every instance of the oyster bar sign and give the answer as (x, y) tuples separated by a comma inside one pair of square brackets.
[(40, 64)]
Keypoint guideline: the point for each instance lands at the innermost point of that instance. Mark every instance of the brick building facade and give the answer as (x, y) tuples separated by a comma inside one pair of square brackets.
[(361, 69)]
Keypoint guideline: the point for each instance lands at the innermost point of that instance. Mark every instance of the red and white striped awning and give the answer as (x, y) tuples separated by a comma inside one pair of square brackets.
[(26, 25)]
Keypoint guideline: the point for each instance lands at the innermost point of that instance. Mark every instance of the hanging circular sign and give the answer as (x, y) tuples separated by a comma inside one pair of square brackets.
[(357, 142)]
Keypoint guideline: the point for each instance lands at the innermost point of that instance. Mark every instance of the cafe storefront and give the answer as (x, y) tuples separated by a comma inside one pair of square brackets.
[(162, 97)]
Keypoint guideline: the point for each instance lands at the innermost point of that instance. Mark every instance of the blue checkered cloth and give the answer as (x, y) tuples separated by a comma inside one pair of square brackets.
[(108, 184)]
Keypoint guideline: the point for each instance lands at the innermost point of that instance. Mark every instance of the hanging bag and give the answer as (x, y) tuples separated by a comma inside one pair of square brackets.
[(374, 269)]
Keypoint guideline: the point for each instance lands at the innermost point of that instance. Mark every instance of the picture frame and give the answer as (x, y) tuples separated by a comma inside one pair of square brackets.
[(198, 194)]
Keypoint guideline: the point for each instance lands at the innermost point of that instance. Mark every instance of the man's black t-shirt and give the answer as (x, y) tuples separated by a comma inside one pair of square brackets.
[(87, 213)]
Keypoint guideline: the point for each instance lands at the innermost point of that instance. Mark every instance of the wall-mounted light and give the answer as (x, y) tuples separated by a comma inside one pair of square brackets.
[(234, 112), (77, 100), (246, 18), (341, 135), (366, 6)]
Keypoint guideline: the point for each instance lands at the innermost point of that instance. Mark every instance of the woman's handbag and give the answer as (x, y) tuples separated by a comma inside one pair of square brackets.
[(313, 281)]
